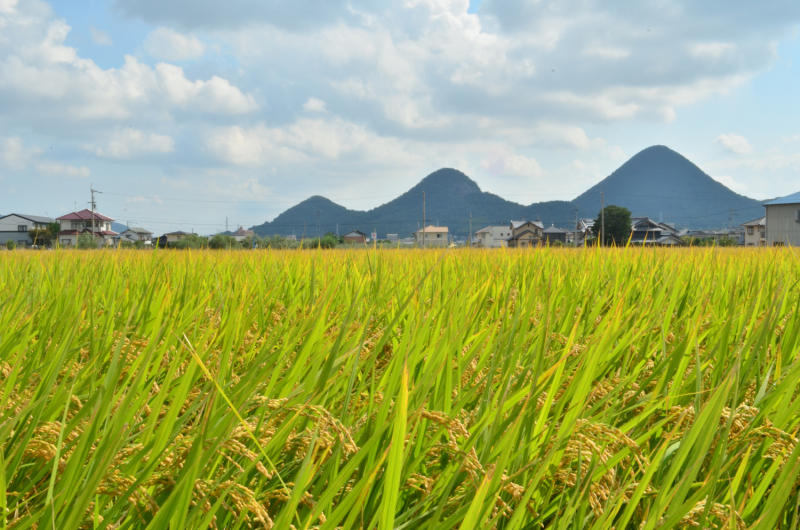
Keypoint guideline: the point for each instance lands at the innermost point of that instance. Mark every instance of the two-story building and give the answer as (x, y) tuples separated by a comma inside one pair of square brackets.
[(241, 234), (525, 234), (554, 234), (85, 222), (15, 226), (134, 234), (492, 237), (783, 221), (755, 232), (432, 236)]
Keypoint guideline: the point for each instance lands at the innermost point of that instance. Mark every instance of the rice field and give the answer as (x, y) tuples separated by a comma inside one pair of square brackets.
[(624, 389)]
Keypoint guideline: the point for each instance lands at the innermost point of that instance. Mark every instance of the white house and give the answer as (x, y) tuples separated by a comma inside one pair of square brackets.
[(755, 232), (85, 222), (491, 237), (15, 226), (137, 234)]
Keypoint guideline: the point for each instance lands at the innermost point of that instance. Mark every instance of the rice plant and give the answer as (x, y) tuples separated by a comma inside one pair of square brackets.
[(377, 389)]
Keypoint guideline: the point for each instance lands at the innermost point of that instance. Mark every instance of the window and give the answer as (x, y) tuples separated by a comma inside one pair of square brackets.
[(777, 243), (438, 235), (750, 230), (22, 228)]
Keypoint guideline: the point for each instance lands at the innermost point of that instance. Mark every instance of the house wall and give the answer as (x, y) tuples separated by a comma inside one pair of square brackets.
[(495, 237), (782, 227), (355, 239), (550, 238), (432, 239), (9, 229), (754, 239)]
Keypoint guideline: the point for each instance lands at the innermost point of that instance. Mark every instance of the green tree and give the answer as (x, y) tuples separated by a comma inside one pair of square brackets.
[(617, 225), (87, 241), (221, 241), (10, 245), (192, 241)]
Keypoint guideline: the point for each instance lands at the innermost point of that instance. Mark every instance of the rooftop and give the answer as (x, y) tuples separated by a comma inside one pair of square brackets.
[(794, 198), (32, 218), (430, 228), (84, 215)]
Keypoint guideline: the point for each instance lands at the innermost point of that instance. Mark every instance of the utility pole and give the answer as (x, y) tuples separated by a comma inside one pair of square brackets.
[(423, 220), (602, 218), (731, 213), (469, 243), (94, 205), (575, 233)]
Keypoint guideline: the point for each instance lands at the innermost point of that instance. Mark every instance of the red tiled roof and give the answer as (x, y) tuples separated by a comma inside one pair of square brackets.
[(83, 215)]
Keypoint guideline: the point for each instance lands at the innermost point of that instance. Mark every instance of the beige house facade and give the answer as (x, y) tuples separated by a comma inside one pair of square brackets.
[(525, 234), (755, 232), (432, 236), (783, 221)]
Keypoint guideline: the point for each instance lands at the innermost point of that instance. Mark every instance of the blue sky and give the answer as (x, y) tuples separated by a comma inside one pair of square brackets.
[(185, 113)]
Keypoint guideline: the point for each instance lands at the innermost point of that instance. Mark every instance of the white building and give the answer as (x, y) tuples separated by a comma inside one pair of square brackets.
[(88, 222), (755, 232), (15, 226), (491, 237), (136, 234)]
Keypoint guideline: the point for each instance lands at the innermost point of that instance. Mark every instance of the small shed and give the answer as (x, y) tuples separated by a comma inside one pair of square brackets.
[(355, 236)]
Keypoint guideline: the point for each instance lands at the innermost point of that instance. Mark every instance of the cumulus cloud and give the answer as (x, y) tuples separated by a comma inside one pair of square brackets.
[(303, 141), (734, 143), (44, 81), (314, 105), (512, 164), (100, 37), (169, 45), (14, 154), (55, 169), (130, 143)]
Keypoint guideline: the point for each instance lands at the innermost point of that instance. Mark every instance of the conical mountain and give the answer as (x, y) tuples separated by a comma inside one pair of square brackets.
[(658, 182)]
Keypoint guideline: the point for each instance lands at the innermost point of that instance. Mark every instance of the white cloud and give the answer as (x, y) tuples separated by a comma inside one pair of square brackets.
[(14, 154), (44, 81), (607, 52), (314, 105), (169, 45), (129, 143), (7, 7), (55, 169), (100, 37), (306, 140), (734, 143), (505, 163)]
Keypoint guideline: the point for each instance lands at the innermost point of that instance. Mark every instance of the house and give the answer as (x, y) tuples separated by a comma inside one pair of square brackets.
[(85, 222), (755, 232), (355, 236), (525, 234), (241, 233), (668, 240), (432, 236), (494, 236), (553, 234), (645, 230), (174, 237), (136, 234), (392, 237), (15, 227), (783, 221)]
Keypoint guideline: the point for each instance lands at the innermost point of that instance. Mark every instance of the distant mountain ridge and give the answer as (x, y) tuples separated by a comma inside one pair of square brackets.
[(656, 182)]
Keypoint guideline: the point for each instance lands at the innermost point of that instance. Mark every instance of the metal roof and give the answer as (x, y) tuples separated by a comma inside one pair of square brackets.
[(84, 215), (555, 230), (137, 230), (32, 218), (794, 198)]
